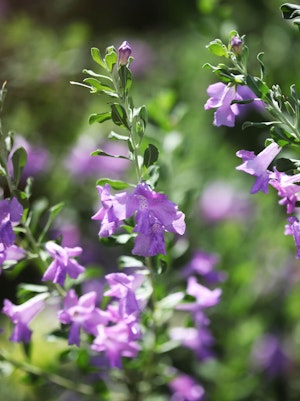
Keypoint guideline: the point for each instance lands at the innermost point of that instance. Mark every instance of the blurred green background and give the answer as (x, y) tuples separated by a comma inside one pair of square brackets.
[(45, 45)]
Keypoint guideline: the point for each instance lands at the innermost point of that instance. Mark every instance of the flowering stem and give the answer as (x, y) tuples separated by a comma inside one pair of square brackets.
[(50, 377)]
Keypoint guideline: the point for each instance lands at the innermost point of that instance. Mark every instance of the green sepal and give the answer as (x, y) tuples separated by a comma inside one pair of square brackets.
[(99, 118), (115, 184)]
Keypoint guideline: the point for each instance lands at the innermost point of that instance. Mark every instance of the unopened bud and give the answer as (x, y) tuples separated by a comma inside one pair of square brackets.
[(236, 45), (124, 53)]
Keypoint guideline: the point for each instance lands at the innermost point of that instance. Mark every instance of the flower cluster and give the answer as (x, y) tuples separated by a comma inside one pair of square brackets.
[(154, 214)]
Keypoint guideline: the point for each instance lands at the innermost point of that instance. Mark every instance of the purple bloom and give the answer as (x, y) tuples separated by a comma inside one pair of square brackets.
[(198, 339), (113, 210), (124, 53), (286, 187), (257, 165), (203, 263), (22, 315), (154, 215), (63, 263), (236, 44), (38, 158), (11, 255), (82, 165), (221, 98), (123, 287), (270, 355), (81, 313), (294, 229), (205, 297), (10, 214), (116, 341), (185, 388)]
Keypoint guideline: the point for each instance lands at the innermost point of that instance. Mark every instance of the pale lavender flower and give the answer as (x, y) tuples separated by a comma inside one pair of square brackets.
[(10, 214), (124, 52), (205, 298), (116, 342), (11, 255), (221, 201), (185, 388), (63, 263), (198, 339), (221, 98), (258, 165), (81, 313), (22, 315), (38, 158), (204, 263), (81, 165), (286, 187)]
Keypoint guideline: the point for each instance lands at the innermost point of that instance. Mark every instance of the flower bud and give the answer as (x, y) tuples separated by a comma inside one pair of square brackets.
[(236, 44), (124, 52)]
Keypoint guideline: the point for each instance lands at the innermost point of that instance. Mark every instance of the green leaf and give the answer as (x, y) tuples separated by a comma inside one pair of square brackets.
[(99, 118), (119, 116), (116, 136), (3, 92), (125, 77), (19, 159), (98, 87), (258, 86), (115, 184), (53, 212), (111, 58), (218, 48), (290, 11), (285, 165), (150, 155), (97, 57), (100, 152)]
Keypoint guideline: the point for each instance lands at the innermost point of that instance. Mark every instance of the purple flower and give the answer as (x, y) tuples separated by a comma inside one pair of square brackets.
[(63, 263), (286, 187), (123, 287), (205, 297), (22, 315), (236, 44), (38, 158), (154, 215), (198, 339), (269, 354), (257, 165), (116, 341), (185, 388), (10, 214), (81, 165), (203, 263), (11, 255), (293, 228), (221, 98), (234, 204), (113, 211), (124, 53), (81, 313)]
